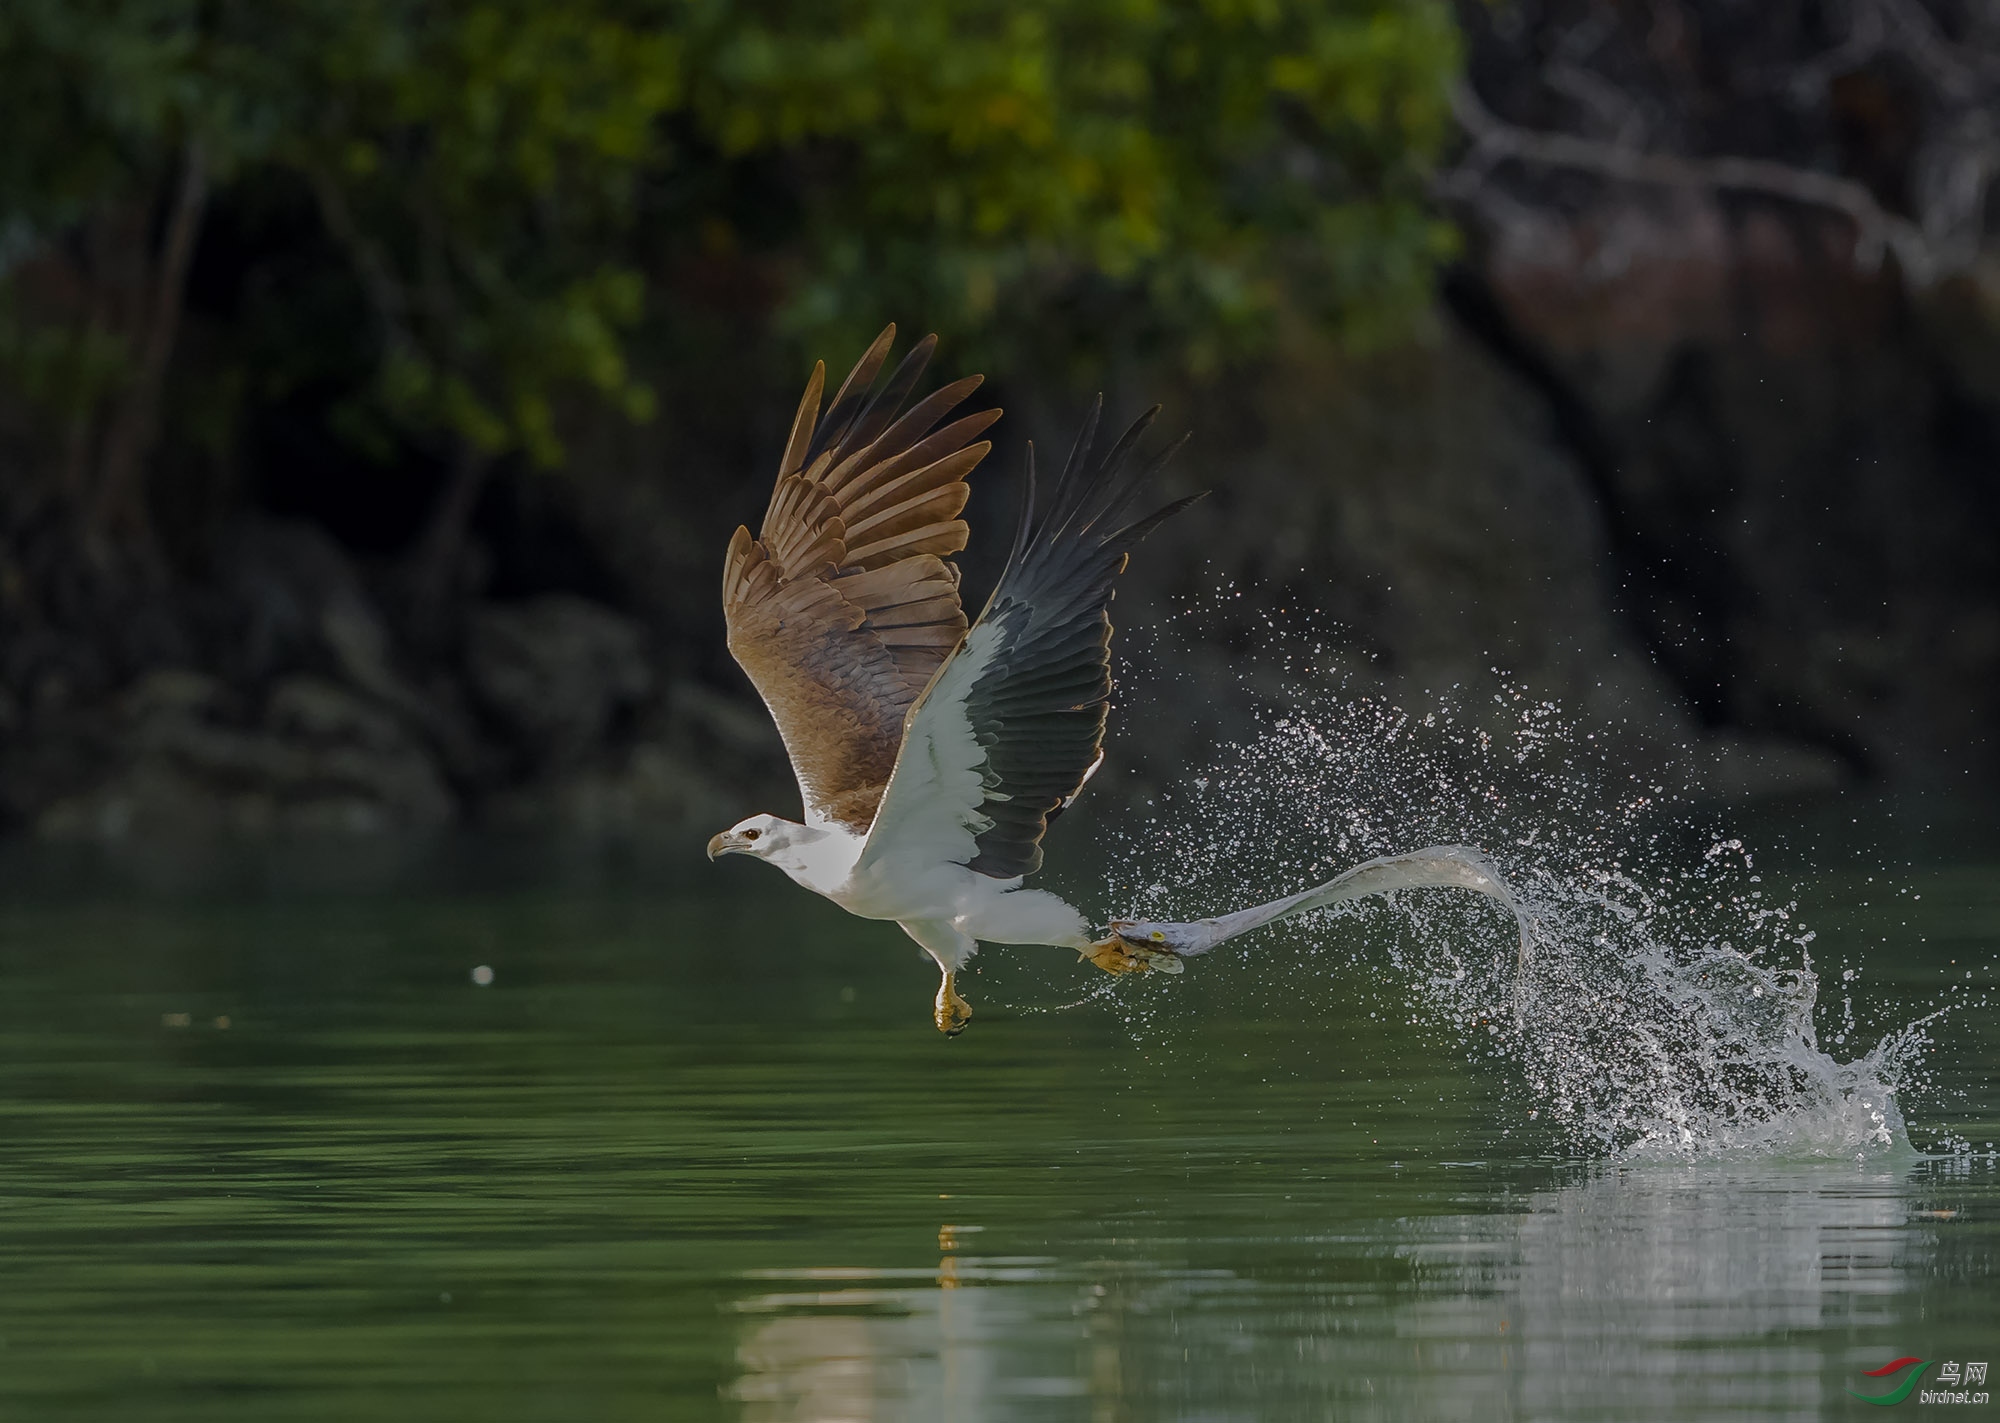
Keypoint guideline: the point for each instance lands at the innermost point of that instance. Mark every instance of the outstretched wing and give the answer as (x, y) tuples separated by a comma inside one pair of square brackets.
[(843, 608), (1014, 725)]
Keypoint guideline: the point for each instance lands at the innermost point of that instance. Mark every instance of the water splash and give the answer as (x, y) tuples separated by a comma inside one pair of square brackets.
[(1668, 1007)]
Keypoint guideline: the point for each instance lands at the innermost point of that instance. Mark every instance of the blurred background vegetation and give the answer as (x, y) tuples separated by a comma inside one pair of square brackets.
[(379, 379)]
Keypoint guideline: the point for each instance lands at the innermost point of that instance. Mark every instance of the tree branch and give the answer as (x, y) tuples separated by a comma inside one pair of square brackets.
[(1876, 230), (1913, 32), (120, 497), (385, 292)]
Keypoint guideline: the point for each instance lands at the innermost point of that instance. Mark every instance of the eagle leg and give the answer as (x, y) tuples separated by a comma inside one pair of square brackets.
[(953, 1012), (1117, 955)]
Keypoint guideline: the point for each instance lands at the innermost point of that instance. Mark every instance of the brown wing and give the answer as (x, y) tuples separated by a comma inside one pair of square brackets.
[(843, 606)]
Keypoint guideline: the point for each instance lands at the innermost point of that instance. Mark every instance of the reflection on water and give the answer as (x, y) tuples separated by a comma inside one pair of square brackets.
[(1698, 1289), (1685, 1291), (883, 1348)]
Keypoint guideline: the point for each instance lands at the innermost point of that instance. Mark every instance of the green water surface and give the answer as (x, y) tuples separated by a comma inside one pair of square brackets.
[(697, 1152)]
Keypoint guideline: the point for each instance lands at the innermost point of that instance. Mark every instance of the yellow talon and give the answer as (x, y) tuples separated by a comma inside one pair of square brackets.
[(1115, 955), (953, 1012)]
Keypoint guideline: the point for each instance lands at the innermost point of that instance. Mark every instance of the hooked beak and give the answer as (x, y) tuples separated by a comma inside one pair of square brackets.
[(719, 845)]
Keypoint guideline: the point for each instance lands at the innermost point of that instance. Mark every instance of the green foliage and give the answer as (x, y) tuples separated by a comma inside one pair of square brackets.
[(1206, 164), (90, 91), (63, 369), (476, 163), (479, 163), (509, 181)]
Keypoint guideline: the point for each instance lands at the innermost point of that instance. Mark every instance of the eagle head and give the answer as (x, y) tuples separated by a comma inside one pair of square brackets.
[(760, 835)]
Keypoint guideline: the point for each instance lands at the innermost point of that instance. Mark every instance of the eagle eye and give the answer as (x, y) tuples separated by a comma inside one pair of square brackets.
[(752, 834)]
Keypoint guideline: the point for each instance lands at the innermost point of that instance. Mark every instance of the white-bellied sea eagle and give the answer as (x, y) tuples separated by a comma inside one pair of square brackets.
[(931, 755)]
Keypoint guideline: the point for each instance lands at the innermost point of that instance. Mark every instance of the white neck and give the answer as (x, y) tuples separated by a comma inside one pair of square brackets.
[(819, 857)]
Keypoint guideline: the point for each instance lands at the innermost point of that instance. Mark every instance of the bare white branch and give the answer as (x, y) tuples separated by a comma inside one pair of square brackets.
[(1876, 230)]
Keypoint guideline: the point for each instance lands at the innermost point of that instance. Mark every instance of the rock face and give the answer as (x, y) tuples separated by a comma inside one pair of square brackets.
[(1777, 377), (1796, 471), (1463, 519), (314, 757), (310, 716), (556, 670), (1421, 528), (278, 708), (1751, 539), (1732, 508)]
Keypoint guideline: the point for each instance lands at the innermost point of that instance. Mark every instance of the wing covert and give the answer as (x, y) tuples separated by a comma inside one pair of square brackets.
[(843, 608)]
